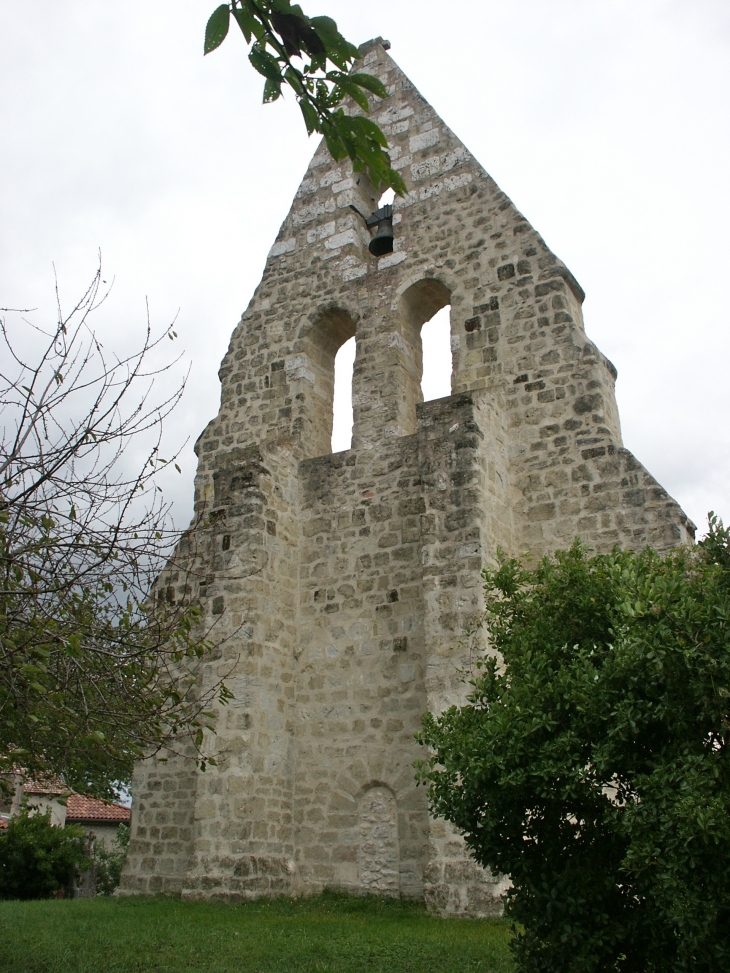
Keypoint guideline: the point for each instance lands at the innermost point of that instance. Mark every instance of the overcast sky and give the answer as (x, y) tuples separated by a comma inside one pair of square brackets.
[(607, 123)]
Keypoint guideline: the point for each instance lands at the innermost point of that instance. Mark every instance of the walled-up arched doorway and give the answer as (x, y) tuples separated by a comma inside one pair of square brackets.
[(378, 850)]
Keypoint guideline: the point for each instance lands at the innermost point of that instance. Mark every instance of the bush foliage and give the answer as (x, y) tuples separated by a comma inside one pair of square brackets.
[(38, 860), (591, 760), (109, 862)]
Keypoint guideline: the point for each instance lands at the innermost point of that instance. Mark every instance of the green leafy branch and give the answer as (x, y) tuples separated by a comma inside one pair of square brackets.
[(279, 31)]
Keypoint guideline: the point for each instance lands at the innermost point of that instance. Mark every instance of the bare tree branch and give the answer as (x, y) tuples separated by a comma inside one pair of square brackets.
[(93, 674)]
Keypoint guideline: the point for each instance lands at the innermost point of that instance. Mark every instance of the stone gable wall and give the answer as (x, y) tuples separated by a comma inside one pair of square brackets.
[(344, 584)]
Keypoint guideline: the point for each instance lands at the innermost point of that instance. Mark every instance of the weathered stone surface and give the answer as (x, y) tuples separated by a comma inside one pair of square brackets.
[(345, 583)]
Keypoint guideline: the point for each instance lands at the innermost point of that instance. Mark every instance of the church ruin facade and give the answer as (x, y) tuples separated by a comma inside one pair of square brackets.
[(346, 582)]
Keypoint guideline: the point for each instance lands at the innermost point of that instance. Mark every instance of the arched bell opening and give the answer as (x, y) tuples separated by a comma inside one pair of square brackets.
[(342, 401), (427, 363), (387, 198), (437, 357), (332, 328)]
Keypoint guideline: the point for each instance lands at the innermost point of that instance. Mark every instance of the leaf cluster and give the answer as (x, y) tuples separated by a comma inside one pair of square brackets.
[(590, 763), (89, 681), (109, 861), (280, 33), (36, 859)]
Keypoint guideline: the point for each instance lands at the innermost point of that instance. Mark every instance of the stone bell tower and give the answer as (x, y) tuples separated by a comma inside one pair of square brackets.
[(346, 582)]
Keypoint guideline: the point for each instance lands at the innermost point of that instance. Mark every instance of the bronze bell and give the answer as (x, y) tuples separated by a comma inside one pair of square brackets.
[(382, 242)]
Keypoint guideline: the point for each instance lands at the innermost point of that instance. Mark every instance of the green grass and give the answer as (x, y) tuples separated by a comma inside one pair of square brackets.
[(326, 934)]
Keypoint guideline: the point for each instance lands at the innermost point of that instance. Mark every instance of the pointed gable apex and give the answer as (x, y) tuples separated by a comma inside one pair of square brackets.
[(435, 165)]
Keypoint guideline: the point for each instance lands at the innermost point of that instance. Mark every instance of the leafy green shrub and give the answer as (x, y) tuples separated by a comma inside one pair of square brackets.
[(36, 859), (592, 764), (109, 861)]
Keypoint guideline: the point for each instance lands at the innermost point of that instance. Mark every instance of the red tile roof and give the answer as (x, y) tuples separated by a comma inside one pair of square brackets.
[(90, 809), (48, 786)]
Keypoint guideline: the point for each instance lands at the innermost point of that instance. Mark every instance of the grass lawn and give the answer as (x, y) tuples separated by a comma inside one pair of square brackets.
[(326, 934)]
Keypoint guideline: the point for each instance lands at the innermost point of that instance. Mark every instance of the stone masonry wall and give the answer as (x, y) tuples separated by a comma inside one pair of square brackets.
[(342, 585)]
